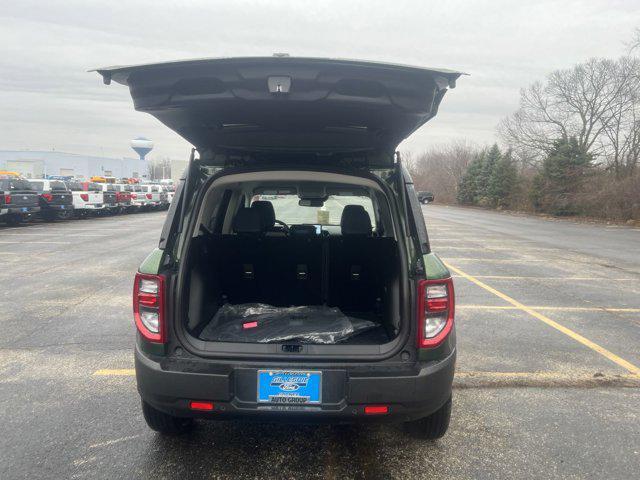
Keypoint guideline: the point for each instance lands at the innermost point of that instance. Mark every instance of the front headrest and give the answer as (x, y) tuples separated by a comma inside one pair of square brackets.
[(247, 220), (267, 212), (355, 221)]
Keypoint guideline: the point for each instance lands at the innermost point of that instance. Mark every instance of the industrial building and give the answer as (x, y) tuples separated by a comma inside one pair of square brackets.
[(38, 164)]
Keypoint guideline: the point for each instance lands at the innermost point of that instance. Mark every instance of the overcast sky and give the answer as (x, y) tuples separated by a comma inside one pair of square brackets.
[(49, 101)]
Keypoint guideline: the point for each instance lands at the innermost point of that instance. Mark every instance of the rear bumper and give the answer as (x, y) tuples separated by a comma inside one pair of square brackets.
[(59, 208), (233, 390), (19, 210)]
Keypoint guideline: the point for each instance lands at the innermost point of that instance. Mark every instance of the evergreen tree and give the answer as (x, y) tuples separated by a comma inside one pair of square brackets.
[(563, 172), (491, 159), (468, 187), (503, 181)]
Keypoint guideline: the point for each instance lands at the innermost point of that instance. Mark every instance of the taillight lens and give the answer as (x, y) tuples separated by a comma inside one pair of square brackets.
[(148, 306), (7, 199), (149, 196), (47, 196), (436, 309), (84, 196), (134, 196)]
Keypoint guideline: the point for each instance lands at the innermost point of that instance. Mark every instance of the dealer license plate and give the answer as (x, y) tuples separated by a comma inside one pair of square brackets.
[(290, 387)]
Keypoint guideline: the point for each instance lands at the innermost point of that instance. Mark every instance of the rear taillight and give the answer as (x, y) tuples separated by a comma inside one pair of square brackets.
[(149, 196), (84, 196), (7, 199), (436, 309), (134, 196), (148, 306), (47, 196)]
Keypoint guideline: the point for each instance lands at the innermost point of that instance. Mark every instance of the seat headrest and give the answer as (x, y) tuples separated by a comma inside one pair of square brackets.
[(247, 220), (355, 221), (267, 212)]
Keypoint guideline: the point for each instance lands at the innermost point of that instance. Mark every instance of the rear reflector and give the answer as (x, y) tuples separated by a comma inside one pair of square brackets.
[(376, 409), (204, 406), (249, 325)]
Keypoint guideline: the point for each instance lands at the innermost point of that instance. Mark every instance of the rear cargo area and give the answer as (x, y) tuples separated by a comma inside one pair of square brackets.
[(303, 289)]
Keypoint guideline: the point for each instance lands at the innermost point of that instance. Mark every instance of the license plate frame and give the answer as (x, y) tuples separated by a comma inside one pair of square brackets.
[(289, 387)]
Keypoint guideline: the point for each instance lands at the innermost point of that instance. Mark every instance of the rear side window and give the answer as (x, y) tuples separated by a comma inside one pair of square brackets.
[(57, 185), (15, 185), (39, 186)]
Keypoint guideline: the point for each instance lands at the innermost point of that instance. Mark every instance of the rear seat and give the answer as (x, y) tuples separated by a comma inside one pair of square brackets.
[(357, 275), (277, 270), (242, 258), (291, 270)]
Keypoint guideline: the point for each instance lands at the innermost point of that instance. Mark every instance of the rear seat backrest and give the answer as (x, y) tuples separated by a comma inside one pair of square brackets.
[(357, 262), (242, 258)]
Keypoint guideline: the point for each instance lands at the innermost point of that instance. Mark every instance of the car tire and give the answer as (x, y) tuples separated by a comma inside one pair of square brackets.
[(165, 423), (432, 427)]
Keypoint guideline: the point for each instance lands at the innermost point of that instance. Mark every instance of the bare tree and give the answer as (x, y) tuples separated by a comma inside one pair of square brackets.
[(620, 143), (580, 102), (440, 168)]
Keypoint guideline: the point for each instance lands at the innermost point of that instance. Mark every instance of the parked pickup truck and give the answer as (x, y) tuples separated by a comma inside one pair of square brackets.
[(109, 196), (85, 202), (156, 196), (123, 197), (18, 201), (56, 201), (139, 198)]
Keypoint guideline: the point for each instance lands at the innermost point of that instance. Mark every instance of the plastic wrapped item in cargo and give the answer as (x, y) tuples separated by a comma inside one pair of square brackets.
[(262, 323)]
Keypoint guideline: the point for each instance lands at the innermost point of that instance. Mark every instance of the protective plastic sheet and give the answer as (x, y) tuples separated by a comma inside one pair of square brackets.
[(262, 323)]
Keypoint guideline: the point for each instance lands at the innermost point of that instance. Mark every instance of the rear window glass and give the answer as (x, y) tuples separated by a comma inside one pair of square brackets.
[(39, 186), (57, 185), (74, 186), (95, 187), (290, 212), (15, 184)]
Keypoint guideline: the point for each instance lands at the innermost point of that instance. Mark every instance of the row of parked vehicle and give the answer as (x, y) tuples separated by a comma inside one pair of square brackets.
[(22, 199)]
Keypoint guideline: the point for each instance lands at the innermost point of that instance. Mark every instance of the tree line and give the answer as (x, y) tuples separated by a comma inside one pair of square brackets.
[(571, 148)]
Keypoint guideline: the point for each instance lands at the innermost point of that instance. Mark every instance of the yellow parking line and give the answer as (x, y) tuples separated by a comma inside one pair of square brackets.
[(561, 328), (115, 372), (533, 277), (496, 260), (553, 309)]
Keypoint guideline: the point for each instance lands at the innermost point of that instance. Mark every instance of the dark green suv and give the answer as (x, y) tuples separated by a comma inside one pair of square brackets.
[(293, 279)]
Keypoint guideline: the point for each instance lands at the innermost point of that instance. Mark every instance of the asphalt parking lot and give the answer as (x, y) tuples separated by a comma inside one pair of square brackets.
[(547, 383)]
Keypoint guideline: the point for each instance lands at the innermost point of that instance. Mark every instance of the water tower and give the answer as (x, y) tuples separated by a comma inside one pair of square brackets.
[(142, 146)]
